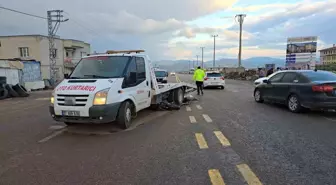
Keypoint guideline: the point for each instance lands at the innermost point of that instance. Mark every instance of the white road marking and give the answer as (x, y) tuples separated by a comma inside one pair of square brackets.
[(198, 107), (192, 119), (188, 108), (207, 118), (51, 136), (56, 127), (330, 119)]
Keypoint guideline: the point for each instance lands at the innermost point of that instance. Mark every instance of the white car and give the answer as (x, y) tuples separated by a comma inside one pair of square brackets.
[(214, 79), (261, 80), (172, 74)]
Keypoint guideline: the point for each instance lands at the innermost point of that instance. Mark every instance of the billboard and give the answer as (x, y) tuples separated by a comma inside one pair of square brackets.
[(301, 51)]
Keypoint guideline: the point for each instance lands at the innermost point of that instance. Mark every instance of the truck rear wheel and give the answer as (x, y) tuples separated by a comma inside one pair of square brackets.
[(178, 96), (124, 118)]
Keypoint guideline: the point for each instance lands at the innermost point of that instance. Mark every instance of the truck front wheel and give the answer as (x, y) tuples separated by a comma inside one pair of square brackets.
[(124, 118)]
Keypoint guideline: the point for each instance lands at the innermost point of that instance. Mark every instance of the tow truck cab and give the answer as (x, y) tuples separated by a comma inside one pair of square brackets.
[(104, 88)]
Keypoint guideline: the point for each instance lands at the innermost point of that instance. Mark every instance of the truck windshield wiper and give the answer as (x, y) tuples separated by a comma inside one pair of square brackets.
[(97, 76), (74, 78)]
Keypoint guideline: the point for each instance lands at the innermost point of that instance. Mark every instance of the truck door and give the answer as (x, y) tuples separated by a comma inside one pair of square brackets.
[(144, 86)]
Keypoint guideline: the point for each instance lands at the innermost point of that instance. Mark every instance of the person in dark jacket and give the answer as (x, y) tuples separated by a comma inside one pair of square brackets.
[(269, 72)]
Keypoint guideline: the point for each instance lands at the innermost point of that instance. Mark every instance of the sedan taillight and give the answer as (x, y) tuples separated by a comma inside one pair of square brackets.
[(222, 78), (322, 88), (206, 78)]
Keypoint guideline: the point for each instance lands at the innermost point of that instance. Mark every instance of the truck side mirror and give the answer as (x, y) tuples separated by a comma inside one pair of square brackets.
[(66, 76)]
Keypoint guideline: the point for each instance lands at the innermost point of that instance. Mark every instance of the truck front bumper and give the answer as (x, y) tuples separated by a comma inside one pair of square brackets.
[(97, 114)]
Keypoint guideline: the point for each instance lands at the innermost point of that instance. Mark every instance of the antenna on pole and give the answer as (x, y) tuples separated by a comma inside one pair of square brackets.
[(55, 18), (214, 51), (202, 48), (240, 20)]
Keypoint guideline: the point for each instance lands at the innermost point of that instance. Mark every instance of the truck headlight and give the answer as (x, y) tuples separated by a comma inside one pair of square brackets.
[(101, 97), (52, 98)]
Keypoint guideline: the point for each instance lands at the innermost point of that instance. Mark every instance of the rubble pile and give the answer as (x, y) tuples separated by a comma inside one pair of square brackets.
[(250, 74)]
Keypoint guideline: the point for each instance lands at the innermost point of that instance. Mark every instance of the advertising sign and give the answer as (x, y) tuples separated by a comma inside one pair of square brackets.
[(301, 51)]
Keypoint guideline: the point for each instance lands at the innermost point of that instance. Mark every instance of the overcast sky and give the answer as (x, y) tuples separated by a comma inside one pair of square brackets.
[(176, 29)]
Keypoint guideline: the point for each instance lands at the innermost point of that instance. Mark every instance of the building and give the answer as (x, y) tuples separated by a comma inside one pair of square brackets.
[(36, 47), (328, 55)]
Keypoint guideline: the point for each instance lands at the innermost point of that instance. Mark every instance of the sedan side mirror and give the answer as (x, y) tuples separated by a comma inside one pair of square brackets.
[(266, 81)]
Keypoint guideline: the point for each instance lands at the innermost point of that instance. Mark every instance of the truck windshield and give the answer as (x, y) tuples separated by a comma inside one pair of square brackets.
[(160, 73), (100, 67)]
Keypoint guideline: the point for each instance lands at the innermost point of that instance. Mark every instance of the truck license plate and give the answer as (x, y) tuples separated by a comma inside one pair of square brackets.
[(70, 113)]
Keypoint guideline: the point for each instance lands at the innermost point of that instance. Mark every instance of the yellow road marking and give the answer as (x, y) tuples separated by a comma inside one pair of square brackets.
[(177, 78), (43, 98), (188, 108), (192, 119), (248, 175), (215, 177), (199, 107), (201, 141), (222, 138), (207, 118)]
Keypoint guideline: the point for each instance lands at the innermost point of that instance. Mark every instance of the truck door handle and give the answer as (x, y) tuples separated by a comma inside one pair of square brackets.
[(147, 83)]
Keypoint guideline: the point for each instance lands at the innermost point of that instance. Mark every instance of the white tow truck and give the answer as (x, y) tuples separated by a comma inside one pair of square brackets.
[(112, 87)]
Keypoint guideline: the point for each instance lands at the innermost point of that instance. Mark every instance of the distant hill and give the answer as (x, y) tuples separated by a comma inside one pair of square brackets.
[(254, 62)]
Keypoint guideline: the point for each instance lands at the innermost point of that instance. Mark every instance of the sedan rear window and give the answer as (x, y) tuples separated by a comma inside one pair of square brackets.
[(214, 75), (320, 75)]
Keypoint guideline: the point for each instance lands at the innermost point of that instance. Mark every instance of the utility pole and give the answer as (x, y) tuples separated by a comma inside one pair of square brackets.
[(197, 60), (55, 18), (240, 20), (202, 57), (214, 52)]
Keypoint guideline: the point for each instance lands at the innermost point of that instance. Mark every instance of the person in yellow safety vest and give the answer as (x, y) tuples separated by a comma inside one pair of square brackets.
[(198, 77)]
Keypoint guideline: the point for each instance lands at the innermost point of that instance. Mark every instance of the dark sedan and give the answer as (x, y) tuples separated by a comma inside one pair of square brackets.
[(299, 89)]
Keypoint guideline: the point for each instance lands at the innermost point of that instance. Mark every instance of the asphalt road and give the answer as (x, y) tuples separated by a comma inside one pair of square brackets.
[(223, 138)]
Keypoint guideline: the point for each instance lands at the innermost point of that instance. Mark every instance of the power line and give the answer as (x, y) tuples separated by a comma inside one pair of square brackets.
[(82, 25), (16, 11)]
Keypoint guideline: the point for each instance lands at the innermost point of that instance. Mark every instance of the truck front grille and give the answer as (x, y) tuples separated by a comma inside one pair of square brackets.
[(72, 100)]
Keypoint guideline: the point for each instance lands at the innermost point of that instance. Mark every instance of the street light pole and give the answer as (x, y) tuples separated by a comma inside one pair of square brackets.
[(240, 18), (197, 60), (214, 51), (202, 57)]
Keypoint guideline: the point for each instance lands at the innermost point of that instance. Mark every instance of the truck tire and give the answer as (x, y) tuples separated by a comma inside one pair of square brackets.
[(3, 93), (20, 90), (11, 91), (124, 118), (3, 80), (178, 96)]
